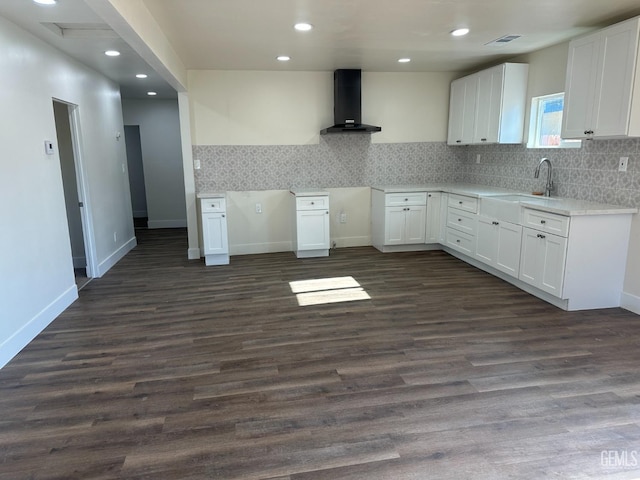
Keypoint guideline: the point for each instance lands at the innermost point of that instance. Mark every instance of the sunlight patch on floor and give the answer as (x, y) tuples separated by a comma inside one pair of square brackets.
[(319, 291)]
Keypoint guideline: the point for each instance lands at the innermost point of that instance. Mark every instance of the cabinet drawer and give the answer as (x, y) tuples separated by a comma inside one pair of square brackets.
[(212, 204), (546, 221), (463, 202), (461, 221), (414, 198), (461, 241), (312, 203)]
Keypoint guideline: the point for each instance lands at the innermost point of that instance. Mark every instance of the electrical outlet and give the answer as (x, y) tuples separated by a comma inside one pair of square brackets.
[(196, 164), (624, 162), (343, 217), (258, 208), (478, 158)]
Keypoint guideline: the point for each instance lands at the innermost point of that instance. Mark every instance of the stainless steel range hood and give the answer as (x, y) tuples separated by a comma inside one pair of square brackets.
[(347, 104)]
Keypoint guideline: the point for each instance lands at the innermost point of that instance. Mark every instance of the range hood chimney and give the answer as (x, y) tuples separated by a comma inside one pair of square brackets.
[(347, 104)]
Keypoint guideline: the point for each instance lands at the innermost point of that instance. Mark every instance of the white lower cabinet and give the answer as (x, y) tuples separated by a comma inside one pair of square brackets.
[(498, 244), (215, 241), (461, 223), (542, 260), (311, 235)]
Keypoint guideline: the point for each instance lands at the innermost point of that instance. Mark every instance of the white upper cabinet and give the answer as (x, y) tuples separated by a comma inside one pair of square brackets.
[(489, 106), (602, 76)]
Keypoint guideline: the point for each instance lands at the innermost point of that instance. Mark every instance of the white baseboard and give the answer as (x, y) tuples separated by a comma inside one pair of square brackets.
[(115, 257), (630, 302), (193, 254), (20, 339), (179, 223)]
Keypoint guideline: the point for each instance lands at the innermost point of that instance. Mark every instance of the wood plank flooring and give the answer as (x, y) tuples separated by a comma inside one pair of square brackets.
[(167, 369)]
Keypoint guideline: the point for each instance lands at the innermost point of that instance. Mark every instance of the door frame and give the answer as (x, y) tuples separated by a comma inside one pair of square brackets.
[(83, 189)]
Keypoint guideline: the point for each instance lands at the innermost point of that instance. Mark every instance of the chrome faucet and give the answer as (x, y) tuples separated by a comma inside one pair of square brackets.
[(549, 186)]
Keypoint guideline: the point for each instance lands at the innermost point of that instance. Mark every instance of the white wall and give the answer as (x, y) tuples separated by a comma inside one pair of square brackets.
[(161, 158), (290, 108), (36, 270)]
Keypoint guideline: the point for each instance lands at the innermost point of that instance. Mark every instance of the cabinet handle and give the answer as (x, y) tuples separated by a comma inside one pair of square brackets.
[(543, 222), (457, 241), (313, 203), (429, 195), (327, 213), (223, 215), (495, 223), (541, 236), (483, 139), (406, 199), (458, 141), (459, 219)]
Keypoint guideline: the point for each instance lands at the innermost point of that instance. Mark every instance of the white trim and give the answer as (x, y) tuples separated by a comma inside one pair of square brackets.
[(193, 254), (115, 257), (21, 338), (630, 302), (179, 223)]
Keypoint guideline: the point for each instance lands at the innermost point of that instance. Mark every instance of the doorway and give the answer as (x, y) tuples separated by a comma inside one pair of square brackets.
[(136, 176), (67, 133)]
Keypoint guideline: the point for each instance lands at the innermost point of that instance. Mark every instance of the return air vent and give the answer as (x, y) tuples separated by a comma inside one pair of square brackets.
[(499, 42)]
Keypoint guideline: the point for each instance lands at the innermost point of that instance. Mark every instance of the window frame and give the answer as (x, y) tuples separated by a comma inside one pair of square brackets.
[(535, 123)]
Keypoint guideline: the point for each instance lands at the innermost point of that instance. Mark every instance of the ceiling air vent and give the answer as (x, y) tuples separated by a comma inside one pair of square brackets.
[(498, 42)]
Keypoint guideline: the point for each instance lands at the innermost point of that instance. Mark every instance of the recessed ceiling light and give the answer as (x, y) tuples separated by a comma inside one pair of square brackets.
[(303, 27), (112, 53), (404, 60), (459, 32), (46, 2), (141, 75), (283, 58), (152, 94)]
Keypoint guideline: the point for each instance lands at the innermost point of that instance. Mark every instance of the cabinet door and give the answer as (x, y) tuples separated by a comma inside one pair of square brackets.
[(394, 225), (433, 218), (614, 84), (530, 266), (553, 259), (214, 233), (462, 108), (456, 112), (580, 86), (489, 96), (487, 240), (415, 224), (508, 248), (313, 229)]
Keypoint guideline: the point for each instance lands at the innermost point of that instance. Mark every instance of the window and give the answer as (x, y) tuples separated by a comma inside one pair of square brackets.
[(546, 123)]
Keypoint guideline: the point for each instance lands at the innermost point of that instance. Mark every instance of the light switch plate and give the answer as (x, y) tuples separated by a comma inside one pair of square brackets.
[(624, 162), (48, 147)]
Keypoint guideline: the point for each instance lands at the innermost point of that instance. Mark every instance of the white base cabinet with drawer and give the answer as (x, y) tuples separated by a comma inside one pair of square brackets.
[(215, 241), (399, 221), (311, 225)]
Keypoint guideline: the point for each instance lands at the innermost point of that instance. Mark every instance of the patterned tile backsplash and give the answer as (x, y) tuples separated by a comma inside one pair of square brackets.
[(351, 160)]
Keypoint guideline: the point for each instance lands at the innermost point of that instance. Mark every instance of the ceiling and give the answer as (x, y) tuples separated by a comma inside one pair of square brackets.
[(367, 34)]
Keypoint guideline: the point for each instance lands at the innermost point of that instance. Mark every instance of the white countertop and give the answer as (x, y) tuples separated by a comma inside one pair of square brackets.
[(561, 206), (212, 195), (308, 192)]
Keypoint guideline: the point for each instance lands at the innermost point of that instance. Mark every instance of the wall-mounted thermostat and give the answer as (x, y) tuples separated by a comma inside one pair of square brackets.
[(48, 147)]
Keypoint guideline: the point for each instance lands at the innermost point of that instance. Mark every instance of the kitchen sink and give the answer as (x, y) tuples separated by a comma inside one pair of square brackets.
[(508, 207)]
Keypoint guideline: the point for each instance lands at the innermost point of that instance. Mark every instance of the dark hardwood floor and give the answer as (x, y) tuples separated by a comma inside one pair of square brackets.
[(167, 369)]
